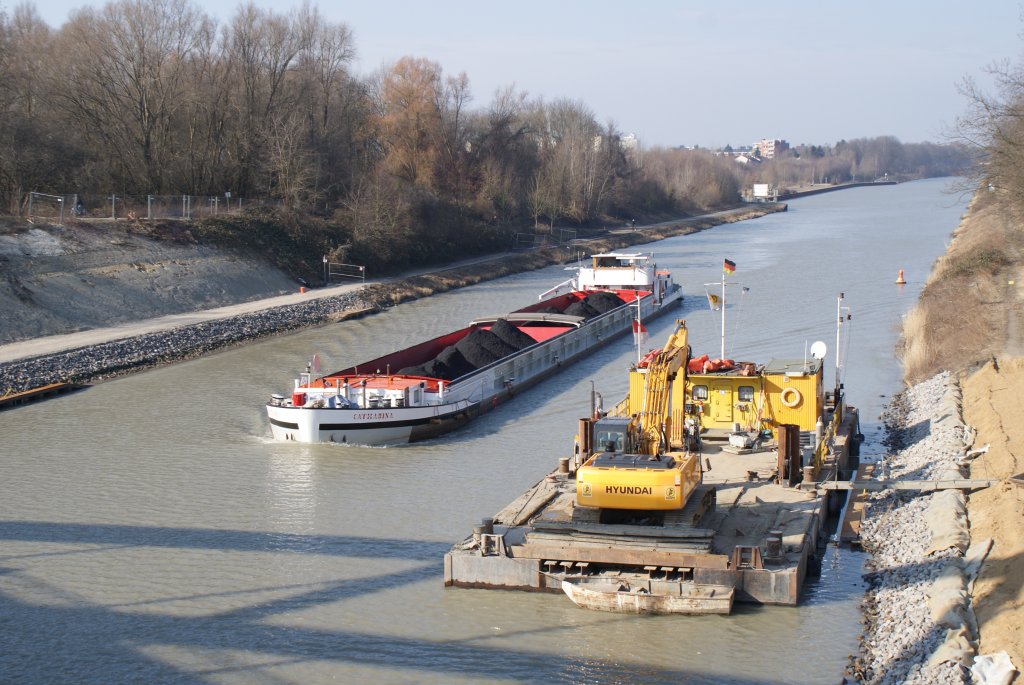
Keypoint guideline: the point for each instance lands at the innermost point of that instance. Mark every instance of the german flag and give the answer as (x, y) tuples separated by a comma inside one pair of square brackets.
[(729, 267)]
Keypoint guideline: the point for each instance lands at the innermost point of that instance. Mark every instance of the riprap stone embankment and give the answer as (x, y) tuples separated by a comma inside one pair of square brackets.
[(130, 354), (919, 623)]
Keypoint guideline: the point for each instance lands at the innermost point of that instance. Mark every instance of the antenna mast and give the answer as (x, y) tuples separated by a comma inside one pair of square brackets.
[(839, 331)]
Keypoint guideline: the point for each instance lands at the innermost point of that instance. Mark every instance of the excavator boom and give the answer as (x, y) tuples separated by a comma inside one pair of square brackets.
[(661, 374)]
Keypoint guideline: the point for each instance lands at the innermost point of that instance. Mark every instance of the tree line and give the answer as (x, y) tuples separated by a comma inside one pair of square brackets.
[(156, 97)]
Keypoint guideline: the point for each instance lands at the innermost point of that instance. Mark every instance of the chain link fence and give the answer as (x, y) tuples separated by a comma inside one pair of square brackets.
[(96, 206)]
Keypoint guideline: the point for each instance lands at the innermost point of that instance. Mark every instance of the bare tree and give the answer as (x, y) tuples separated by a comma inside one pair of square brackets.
[(292, 171), (262, 47), (451, 102), (125, 76), (36, 152), (506, 156), (993, 127), (409, 120)]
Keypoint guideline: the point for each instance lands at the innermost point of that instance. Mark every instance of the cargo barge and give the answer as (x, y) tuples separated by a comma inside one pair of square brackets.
[(675, 501), (439, 385)]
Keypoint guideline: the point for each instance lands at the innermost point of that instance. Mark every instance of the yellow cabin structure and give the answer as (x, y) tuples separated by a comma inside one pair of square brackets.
[(784, 391)]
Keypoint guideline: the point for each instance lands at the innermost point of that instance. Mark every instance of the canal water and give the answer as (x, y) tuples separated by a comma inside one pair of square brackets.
[(150, 531)]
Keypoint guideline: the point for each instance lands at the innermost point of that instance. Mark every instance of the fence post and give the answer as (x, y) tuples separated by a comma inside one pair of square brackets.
[(149, 207), (113, 207)]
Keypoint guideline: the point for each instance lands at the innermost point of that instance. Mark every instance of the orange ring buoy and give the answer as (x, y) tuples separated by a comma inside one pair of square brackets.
[(790, 397)]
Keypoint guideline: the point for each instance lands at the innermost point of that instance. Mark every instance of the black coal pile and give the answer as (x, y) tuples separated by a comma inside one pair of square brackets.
[(511, 335), (481, 347), (478, 349), (452, 364), (594, 304), (581, 308)]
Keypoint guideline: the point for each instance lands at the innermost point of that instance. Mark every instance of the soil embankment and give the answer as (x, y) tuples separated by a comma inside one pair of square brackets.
[(965, 327), (59, 279)]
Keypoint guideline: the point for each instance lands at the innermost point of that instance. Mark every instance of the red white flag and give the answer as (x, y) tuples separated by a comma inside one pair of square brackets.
[(639, 332)]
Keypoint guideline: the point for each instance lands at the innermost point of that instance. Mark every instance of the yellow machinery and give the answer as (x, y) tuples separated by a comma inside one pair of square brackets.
[(634, 461), (784, 391)]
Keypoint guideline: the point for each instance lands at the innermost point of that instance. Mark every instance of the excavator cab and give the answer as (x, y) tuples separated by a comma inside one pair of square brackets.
[(611, 434)]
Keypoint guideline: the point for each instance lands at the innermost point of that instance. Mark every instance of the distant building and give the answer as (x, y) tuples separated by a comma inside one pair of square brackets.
[(628, 141), (747, 159), (771, 147)]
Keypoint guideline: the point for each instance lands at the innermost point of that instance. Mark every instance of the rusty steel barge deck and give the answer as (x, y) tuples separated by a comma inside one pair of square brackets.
[(743, 528)]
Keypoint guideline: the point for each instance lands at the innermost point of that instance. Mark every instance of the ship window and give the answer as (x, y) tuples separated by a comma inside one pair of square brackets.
[(746, 393), (699, 392)]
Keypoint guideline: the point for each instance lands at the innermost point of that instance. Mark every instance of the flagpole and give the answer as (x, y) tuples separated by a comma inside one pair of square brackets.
[(723, 314), (636, 333)]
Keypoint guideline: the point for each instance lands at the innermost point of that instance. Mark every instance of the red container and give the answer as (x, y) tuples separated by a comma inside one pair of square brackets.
[(298, 399)]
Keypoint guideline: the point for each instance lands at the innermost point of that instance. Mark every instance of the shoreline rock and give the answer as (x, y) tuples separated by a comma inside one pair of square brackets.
[(128, 355), (919, 627)]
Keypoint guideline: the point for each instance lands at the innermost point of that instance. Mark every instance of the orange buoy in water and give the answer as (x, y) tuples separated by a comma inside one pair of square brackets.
[(899, 278), (303, 289)]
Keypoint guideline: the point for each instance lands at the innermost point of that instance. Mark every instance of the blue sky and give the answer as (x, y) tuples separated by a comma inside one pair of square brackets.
[(684, 73)]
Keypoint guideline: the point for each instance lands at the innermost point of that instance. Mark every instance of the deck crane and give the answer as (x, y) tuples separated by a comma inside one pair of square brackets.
[(638, 460)]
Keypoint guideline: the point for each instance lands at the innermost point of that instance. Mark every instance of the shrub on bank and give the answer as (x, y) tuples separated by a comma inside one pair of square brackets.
[(961, 317)]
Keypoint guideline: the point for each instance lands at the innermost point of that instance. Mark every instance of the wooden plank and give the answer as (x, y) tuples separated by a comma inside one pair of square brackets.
[(632, 557), (922, 485), (548, 537), (527, 504), (624, 530), (849, 527), (36, 394)]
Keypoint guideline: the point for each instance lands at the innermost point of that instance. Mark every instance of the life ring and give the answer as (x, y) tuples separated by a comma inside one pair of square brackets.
[(790, 397)]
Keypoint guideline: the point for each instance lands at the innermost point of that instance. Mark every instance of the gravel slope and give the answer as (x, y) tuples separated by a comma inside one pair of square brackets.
[(56, 279)]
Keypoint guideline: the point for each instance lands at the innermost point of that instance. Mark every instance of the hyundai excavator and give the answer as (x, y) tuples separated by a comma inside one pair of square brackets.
[(639, 458)]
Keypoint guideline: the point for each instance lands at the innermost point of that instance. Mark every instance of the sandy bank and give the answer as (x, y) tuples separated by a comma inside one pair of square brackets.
[(994, 408)]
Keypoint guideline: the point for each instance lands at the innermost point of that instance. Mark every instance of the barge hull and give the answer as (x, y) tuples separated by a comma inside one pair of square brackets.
[(758, 536), (471, 395)]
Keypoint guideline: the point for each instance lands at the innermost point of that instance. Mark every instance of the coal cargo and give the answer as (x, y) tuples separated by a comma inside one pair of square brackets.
[(582, 309), (452, 364), (419, 370), (603, 301), (511, 335), (481, 347)]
